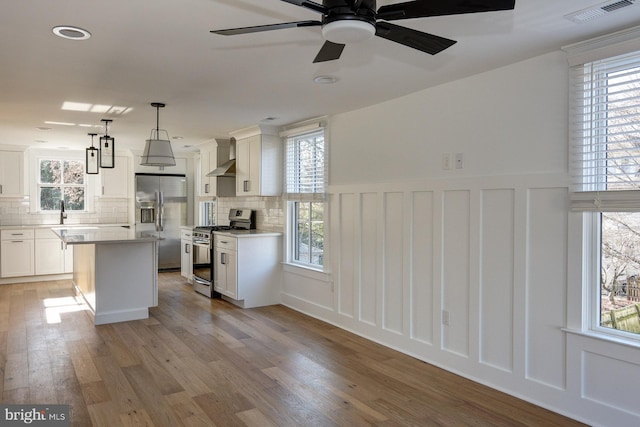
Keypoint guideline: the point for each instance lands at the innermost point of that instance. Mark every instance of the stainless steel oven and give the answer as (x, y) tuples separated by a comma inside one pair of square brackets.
[(203, 260), (202, 238)]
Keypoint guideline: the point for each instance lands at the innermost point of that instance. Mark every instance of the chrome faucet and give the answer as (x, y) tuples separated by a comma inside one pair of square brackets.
[(63, 214)]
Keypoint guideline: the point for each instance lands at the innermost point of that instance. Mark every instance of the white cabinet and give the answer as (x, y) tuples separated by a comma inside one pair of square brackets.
[(186, 262), (51, 257), (11, 173), (212, 154), (225, 269), (259, 166), (247, 268), (16, 253), (115, 182)]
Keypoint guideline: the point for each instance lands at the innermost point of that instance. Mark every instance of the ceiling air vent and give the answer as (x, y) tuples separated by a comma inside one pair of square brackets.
[(598, 10)]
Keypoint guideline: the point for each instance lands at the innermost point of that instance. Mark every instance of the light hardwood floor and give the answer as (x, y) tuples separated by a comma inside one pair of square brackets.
[(200, 362)]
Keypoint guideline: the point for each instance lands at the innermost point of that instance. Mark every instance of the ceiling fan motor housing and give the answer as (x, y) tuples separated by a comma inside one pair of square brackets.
[(343, 25)]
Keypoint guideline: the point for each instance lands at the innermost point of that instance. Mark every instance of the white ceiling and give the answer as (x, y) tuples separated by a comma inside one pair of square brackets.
[(144, 51)]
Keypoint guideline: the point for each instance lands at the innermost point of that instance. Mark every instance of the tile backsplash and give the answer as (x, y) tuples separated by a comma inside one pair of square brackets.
[(16, 211), (270, 211)]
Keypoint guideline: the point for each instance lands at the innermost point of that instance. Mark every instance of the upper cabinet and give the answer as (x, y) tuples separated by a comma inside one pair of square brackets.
[(212, 154), (258, 163), (115, 182), (11, 173)]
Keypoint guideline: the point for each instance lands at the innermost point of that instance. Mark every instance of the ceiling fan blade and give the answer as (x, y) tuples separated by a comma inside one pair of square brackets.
[(329, 52), (270, 27), (309, 5), (425, 8), (412, 38)]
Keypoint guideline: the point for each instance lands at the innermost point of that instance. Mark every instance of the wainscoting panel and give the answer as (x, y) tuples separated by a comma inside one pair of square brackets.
[(497, 250), (455, 271), (393, 262), (368, 286), (546, 295), (348, 255), (421, 266), (602, 381)]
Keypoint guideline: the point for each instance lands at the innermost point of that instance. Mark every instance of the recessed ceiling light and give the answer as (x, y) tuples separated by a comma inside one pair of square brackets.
[(325, 80), (59, 123), (177, 137), (71, 33), (269, 119), (43, 128), (75, 106)]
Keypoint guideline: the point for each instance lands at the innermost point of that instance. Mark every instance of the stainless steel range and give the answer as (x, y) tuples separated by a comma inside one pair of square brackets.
[(203, 260)]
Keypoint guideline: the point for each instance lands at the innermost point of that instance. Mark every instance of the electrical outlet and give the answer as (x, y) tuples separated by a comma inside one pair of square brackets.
[(446, 161), (459, 161), (446, 317)]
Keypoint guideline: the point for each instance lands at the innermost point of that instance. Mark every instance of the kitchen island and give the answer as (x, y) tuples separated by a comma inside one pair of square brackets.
[(115, 270)]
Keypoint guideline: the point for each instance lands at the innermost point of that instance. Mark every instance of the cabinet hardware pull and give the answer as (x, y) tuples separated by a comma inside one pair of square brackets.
[(17, 234), (206, 188), (186, 248), (223, 258), (0, 188), (246, 186), (17, 241)]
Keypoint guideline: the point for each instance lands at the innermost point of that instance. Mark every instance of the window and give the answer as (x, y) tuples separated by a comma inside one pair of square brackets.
[(61, 180), (305, 186), (606, 171)]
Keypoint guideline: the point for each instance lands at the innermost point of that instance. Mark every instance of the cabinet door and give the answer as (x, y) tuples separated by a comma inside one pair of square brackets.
[(16, 258), (243, 167), (11, 175), (186, 263), (115, 181), (231, 264), (204, 189), (219, 272), (68, 259), (49, 255)]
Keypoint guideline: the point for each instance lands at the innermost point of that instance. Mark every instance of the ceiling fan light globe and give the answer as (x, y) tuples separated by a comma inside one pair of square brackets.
[(348, 31)]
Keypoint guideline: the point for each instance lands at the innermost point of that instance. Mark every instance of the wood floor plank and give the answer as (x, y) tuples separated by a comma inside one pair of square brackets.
[(203, 362)]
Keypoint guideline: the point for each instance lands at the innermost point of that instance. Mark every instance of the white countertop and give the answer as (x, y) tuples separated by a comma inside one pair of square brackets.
[(70, 225), (247, 233), (93, 235)]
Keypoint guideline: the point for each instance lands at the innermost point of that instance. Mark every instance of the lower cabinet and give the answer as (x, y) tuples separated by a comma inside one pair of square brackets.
[(51, 257), (186, 261), (247, 268), (28, 252), (225, 277), (16, 253)]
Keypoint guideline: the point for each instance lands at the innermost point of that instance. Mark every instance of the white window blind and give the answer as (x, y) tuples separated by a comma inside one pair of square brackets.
[(305, 171), (605, 133)]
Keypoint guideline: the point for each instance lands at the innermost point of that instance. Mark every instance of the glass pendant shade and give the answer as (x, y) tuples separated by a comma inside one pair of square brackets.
[(92, 158), (107, 153), (157, 150), (107, 148)]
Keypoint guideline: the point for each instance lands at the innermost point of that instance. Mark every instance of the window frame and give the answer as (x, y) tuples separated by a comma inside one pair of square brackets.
[(293, 199), (592, 197), (89, 180)]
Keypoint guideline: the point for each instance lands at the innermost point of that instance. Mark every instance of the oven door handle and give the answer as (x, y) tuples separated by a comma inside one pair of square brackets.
[(202, 242), (200, 281)]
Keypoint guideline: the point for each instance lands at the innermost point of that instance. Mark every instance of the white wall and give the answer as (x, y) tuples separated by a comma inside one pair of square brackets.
[(492, 244)]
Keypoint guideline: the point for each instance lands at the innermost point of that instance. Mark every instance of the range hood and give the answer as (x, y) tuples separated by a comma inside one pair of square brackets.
[(227, 168)]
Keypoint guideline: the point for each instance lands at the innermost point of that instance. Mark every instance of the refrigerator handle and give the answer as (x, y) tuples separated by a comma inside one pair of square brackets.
[(161, 208), (159, 211)]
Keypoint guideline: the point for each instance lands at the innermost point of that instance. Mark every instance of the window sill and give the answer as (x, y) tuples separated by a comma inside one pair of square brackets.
[(308, 272), (605, 337)]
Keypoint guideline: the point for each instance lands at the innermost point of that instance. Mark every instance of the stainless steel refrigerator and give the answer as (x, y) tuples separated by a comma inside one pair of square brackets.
[(161, 208)]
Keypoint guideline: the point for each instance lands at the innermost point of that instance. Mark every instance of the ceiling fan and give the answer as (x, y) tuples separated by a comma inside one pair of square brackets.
[(350, 21)]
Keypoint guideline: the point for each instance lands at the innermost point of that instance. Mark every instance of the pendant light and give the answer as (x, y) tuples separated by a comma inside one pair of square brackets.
[(92, 158), (107, 147), (157, 151)]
